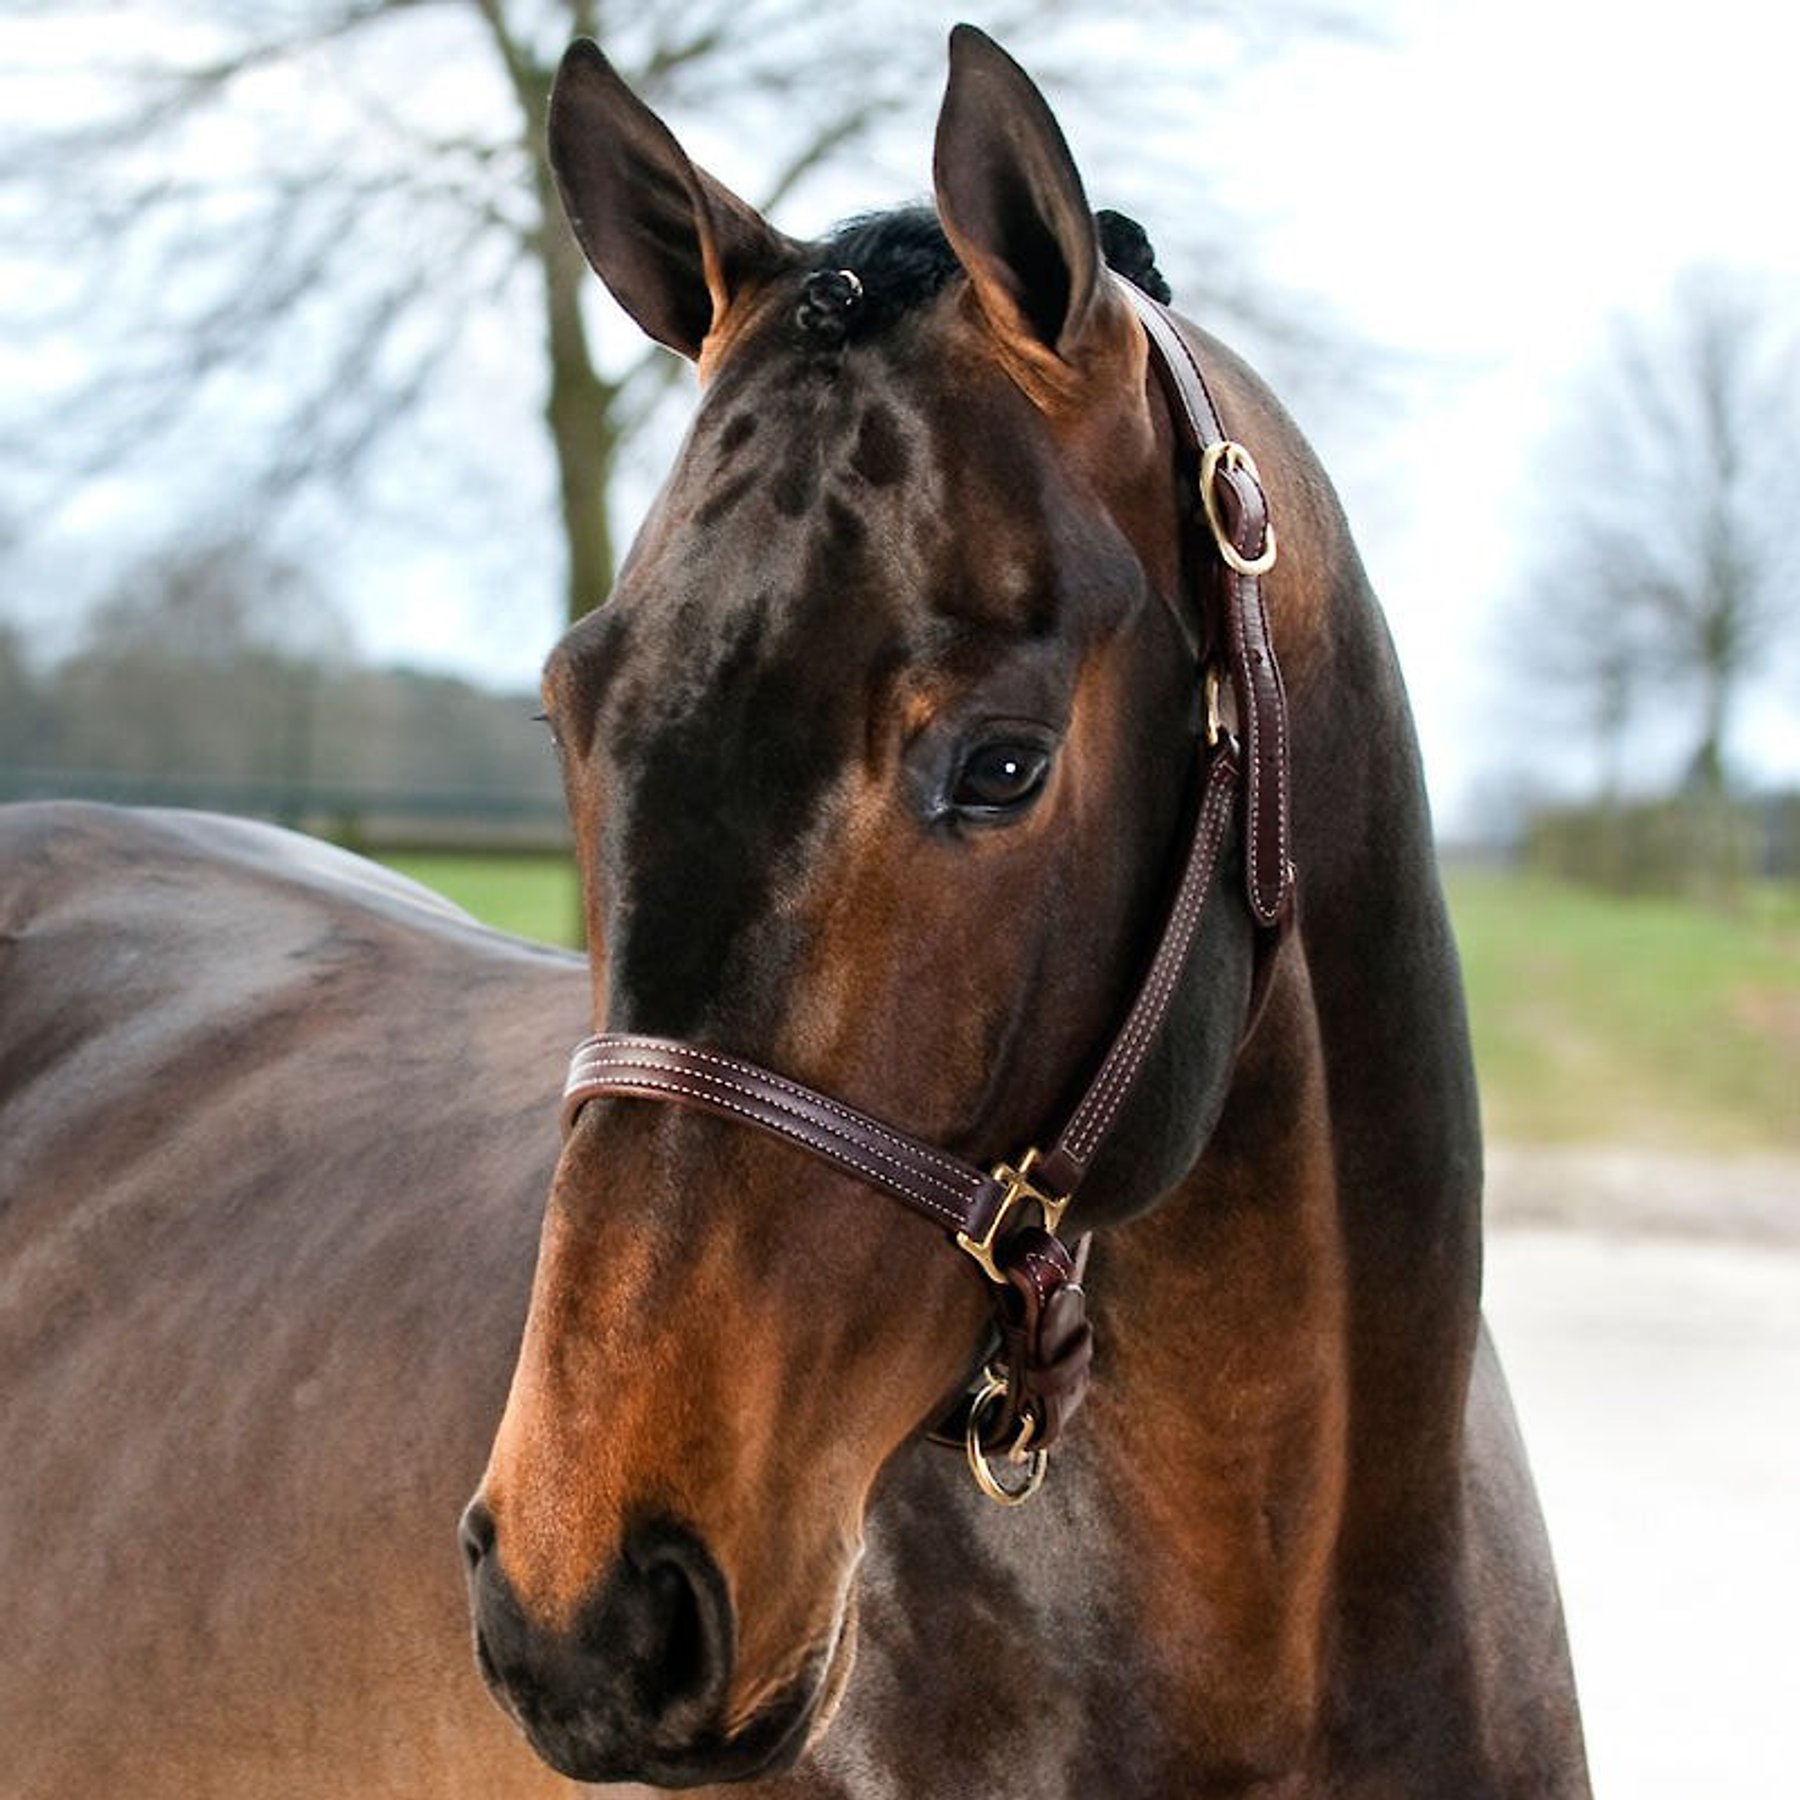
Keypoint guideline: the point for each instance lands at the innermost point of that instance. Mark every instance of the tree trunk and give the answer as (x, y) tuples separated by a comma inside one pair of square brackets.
[(1706, 774), (581, 411)]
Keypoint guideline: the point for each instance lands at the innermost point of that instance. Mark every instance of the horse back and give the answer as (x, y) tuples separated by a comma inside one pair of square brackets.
[(272, 1147)]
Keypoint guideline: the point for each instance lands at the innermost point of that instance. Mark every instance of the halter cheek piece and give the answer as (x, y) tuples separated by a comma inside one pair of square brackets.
[(1037, 1376)]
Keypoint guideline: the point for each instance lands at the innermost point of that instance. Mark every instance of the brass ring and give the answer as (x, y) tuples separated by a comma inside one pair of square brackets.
[(1035, 1462), (1234, 456)]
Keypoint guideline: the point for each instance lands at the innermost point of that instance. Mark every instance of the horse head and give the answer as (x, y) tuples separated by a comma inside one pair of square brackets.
[(878, 759)]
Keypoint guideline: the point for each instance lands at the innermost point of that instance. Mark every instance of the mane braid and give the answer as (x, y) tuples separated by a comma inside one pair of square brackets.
[(903, 261)]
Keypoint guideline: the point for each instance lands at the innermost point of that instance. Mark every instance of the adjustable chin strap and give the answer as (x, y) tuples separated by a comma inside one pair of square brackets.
[(1008, 1219)]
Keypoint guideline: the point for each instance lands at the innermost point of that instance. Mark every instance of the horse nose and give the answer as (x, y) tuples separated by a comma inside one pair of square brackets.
[(475, 1533), (634, 1687)]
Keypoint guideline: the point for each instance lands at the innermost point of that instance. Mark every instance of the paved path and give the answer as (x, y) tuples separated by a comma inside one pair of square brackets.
[(1658, 1384)]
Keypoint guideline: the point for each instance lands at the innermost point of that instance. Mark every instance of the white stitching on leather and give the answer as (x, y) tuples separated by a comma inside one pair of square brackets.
[(957, 1174), (635, 1075)]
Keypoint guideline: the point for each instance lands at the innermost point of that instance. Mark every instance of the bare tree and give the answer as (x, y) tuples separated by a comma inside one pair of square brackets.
[(1668, 574), (299, 225)]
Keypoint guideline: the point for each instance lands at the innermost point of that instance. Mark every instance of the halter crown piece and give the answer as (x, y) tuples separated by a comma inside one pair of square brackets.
[(1008, 1219)]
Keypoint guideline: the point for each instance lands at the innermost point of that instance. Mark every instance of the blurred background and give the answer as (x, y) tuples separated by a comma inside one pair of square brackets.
[(314, 431)]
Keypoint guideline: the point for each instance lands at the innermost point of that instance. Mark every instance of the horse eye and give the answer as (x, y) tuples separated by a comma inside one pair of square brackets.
[(1000, 778)]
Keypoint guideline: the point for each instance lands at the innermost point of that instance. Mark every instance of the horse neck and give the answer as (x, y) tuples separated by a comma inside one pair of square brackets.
[(1397, 1131), (1287, 1339), (1402, 1119), (1375, 1024), (1220, 1405)]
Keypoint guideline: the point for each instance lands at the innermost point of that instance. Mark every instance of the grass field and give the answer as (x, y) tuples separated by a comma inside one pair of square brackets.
[(529, 895), (1657, 1023), (1660, 1023)]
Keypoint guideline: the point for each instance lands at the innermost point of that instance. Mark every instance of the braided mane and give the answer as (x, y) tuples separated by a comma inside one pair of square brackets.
[(902, 260)]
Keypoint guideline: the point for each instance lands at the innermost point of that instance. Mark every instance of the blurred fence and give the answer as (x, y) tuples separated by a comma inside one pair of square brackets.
[(474, 820)]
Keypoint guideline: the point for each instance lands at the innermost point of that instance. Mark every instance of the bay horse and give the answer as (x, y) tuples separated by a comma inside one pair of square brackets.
[(955, 680), (927, 672)]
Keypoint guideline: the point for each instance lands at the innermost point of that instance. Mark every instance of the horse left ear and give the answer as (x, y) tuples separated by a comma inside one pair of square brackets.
[(1015, 212), (672, 243)]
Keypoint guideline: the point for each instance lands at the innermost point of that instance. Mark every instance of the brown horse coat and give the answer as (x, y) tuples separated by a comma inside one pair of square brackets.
[(274, 1132), (928, 525), (274, 1148)]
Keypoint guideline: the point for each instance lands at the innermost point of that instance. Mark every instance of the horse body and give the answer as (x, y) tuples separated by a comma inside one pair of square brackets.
[(877, 762), (267, 1196)]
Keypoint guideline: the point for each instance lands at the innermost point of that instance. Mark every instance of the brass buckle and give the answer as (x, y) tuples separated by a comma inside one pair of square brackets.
[(1020, 1190), (1234, 457), (1019, 1455)]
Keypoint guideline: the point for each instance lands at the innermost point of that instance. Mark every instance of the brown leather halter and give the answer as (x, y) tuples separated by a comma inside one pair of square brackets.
[(1035, 1381)]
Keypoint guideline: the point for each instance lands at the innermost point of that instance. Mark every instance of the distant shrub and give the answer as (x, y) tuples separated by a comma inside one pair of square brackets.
[(1690, 845)]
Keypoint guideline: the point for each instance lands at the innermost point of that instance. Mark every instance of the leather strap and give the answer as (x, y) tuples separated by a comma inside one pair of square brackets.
[(1045, 1339), (1237, 501), (1069, 1159), (950, 1192)]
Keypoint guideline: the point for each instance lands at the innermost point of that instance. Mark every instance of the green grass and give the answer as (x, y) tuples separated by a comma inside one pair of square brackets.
[(1656, 1022), (532, 896)]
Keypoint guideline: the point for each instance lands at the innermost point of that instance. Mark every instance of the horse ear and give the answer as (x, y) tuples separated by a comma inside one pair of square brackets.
[(1015, 212), (672, 244)]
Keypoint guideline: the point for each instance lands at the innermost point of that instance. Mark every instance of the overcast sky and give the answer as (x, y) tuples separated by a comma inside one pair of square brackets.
[(1489, 191), (1480, 191), (1483, 189)]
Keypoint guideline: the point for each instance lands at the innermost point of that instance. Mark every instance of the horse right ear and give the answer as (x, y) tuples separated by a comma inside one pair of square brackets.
[(672, 244), (1016, 215)]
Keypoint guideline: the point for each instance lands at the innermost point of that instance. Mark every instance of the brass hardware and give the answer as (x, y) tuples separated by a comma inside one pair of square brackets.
[(1019, 1191), (1233, 456), (1214, 724), (1020, 1455)]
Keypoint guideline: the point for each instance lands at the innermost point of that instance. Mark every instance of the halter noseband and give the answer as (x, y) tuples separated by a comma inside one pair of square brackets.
[(1037, 1378)]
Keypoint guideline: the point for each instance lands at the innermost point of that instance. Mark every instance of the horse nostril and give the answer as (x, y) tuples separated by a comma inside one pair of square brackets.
[(475, 1532), (638, 1679), (683, 1664), (668, 1621)]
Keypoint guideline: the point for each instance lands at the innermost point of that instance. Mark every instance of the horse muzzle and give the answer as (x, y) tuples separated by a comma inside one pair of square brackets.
[(636, 1686)]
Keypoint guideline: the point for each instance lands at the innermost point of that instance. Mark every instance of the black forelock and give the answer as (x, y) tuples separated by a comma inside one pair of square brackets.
[(903, 259)]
